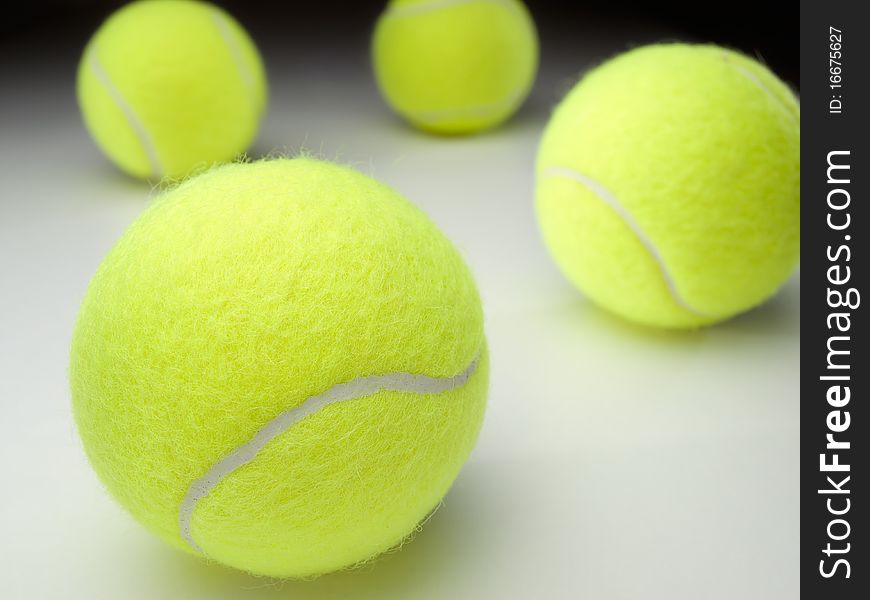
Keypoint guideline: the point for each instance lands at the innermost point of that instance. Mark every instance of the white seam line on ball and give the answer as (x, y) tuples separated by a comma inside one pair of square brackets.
[(226, 34), (129, 114), (352, 390), (759, 84), (610, 200), (425, 7), (433, 117)]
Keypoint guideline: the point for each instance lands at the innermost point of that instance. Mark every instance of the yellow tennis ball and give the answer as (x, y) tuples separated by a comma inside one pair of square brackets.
[(455, 66), (281, 366), (168, 86), (669, 184)]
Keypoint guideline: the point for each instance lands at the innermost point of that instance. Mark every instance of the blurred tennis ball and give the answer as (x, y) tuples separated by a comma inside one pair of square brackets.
[(669, 184), (455, 66), (169, 86)]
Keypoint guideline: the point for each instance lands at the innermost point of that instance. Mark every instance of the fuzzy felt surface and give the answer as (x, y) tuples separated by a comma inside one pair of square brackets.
[(166, 87), (697, 149), (235, 297), (455, 66)]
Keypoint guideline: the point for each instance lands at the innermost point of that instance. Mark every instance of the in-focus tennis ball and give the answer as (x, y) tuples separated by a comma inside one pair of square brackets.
[(169, 86), (280, 366), (669, 184), (455, 66)]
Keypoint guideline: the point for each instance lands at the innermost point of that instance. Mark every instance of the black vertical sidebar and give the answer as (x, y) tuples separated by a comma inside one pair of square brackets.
[(835, 225)]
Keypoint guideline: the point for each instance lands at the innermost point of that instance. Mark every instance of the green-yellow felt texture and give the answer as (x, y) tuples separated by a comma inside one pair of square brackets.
[(455, 66), (669, 184), (167, 87), (240, 296)]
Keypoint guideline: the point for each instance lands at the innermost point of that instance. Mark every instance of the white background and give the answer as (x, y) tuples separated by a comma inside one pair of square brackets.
[(615, 462)]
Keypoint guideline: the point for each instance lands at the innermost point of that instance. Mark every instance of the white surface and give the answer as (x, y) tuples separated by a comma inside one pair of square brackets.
[(615, 462)]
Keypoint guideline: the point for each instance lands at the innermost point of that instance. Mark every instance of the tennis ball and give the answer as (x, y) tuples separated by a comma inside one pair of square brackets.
[(168, 86), (280, 366), (668, 184), (455, 66)]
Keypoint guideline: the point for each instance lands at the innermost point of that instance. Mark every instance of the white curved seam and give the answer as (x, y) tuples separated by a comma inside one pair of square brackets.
[(759, 84), (226, 34), (129, 114), (342, 392), (433, 117), (425, 7), (610, 200)]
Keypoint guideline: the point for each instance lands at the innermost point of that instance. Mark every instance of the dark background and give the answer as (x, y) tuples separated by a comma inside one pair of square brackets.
[(761, 29)]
